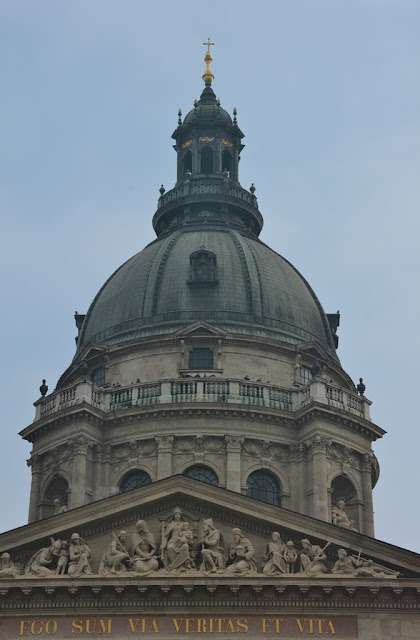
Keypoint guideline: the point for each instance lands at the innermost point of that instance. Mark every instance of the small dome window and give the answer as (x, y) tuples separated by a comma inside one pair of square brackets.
[(201, 358), (207, 160), (203, 268), (98, 377)]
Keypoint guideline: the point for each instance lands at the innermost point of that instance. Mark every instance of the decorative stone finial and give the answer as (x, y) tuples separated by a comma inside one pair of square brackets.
[(179, 116), (361, 387), (208, 76), (252, 188), (235, 111), (162, 190)]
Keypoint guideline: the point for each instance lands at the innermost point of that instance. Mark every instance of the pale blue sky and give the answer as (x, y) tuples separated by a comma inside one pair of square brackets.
[(328, 97)]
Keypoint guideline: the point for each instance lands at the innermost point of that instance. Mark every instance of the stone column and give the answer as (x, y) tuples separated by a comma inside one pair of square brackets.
[(233, 462), (368, 524), (78, 479), (295, 480), (319, 477), (164, 463), (35, 463)]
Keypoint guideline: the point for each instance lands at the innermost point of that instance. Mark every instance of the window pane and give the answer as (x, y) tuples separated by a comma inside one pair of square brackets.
[(202, 473), (263, 486), (201, 359), (134, 480)]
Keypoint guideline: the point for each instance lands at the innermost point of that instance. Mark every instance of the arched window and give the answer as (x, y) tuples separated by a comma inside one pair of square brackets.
[(343, 488), (226, 161), (134, 480), (202, 473), (187, 163), (207, 160), (264, 486), (56, 493), (203, 268)]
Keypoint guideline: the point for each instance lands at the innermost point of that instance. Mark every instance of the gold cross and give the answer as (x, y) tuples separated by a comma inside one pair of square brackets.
[(208, 44)]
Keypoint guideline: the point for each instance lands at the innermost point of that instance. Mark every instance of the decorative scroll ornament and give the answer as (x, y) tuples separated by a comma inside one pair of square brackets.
[(186, 144), (206, 139), (227, 143)]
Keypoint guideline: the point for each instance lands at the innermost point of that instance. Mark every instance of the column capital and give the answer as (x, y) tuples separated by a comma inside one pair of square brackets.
[(367, 460), (234, 443), (319, 444), (34, 463), (164, 443), (81, 445)]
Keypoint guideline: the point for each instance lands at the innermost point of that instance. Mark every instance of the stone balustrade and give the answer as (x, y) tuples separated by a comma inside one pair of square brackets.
[(204, 186), (211, 390)]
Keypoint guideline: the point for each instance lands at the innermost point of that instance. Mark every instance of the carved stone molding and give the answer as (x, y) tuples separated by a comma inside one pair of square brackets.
[(297, 452), (81, 445), (319, 444)]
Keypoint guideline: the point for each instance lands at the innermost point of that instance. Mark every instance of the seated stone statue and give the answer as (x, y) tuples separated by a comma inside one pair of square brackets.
[(312, 559), (42, 563), (345, 565), (241, 555), (58, 507), (144, 559), (79, 554), (339, 516), (8, 569), (213, 549), (115, 559), (176, 544), (180, 547), (273, 560)]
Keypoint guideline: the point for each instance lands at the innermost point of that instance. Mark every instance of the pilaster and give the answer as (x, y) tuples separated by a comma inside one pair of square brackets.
[(233, 462)]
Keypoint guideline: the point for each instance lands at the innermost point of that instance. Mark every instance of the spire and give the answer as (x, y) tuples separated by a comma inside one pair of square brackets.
[(208, 76)]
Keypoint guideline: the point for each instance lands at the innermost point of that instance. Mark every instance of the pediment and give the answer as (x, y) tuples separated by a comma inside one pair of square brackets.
[(201, 329), (98, 524), (313, 349)]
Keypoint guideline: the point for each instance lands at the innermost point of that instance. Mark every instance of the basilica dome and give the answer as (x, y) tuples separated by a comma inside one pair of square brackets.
[(239, 284)]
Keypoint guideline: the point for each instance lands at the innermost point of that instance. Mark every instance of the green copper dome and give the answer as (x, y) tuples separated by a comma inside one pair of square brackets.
[(252, 291)]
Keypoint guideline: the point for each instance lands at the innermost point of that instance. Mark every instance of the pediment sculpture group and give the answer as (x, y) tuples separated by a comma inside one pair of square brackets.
[(179, 554)]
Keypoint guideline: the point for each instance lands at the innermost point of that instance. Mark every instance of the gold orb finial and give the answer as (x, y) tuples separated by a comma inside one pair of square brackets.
[(208, 77)]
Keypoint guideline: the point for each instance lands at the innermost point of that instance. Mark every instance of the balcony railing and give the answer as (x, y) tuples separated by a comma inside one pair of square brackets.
[(233, 391)]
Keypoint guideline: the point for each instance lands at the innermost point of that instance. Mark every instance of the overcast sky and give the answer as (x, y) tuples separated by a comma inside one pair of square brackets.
[(327, 94)]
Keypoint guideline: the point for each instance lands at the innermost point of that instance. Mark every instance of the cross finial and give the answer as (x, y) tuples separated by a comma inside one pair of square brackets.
[(208, 44)]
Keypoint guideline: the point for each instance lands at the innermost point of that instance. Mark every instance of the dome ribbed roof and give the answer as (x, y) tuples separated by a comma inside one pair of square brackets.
[(257, 293)]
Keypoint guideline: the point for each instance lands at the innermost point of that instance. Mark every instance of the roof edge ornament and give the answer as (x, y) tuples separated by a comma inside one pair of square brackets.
[(208, 76)]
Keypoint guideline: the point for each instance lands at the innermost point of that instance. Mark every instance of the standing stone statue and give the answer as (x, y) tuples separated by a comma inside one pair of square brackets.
[(339, 516), (8, 569), (79, 554), (115, 559), (290, 556), (213, 549), (62, 555), (273, 559), (144, 559), (312, 558), (241, 555)]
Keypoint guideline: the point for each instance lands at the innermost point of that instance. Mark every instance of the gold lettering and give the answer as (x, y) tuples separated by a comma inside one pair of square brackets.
[(189, 621), (23, 629), (133, 626), (265, 625), (242, 625), (211, 625), (311, 626), (320, 621), (330, 627), (153, 627), (104, 628), (300, 625), (219, 624), (87, 622), (277, 621), (230, 627), (36, 630), (177, 624), (201, 625), (76, 626), (51, 627)]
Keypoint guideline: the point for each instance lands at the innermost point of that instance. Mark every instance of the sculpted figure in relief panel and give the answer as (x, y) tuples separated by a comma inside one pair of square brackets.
[(241, 555), (177, 539), (144, 559), (274, 563), (213, 549), (8, 569), (339, 516), (115, 559), (42, 563), (79, 554), (360, 567), (312, 558), (62, 556)]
